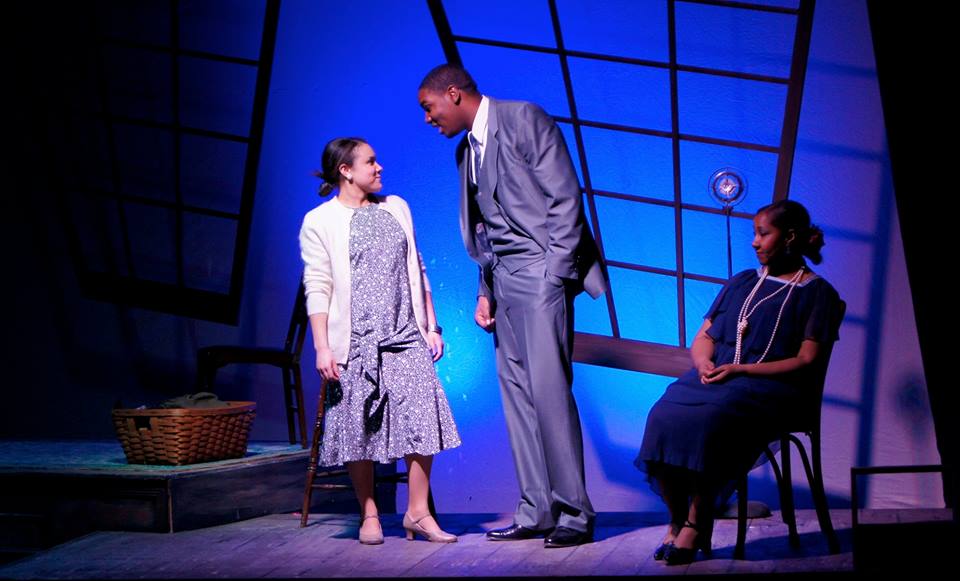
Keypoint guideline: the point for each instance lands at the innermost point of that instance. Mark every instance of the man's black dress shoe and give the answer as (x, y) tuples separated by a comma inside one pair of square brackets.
[(566, 537), (515, 532)]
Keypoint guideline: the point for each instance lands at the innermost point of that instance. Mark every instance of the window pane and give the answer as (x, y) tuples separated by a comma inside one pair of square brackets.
[(794, 4), (619, 93), (699, 161), (141, 21), (86, 154), (727, 108), (744, 256), (705, 244), (637, 233), (506, 73), (735, 39), (227, 27), (145, 161), (698, 296), (138, 83), (629, 163), (591, 315), (630, 28), (646, 305), (571, 140), (212, 172), (97, 220), (216, 96), (520, 21), (587, 215), (152, 234), (208, 255)]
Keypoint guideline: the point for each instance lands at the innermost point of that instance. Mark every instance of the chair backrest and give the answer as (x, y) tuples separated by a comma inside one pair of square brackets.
[(299, 323), (818, 376)]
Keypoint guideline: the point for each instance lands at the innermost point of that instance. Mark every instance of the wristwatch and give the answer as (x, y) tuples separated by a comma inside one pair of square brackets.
[(435, 329)]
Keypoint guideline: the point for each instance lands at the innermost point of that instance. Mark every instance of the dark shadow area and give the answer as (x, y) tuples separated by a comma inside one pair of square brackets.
[(765, 490), (93, 195), (873, 326), (878, 549), (778, 547), (912, 44)]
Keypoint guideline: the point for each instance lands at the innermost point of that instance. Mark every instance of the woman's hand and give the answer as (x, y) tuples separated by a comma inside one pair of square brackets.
[(435, 342), (719, 374), (327, 364), (704, 369)]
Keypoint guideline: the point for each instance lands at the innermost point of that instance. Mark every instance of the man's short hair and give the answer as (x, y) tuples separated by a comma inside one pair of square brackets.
[(441, 77)]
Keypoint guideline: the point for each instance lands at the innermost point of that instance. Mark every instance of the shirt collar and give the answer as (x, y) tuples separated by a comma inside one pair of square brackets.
[(479, 129)]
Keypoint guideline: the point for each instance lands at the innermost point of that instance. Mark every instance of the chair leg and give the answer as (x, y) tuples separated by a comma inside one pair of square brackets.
[(815, 478), (785, 486), (774, 465), (288, 400), (738, 551), (314, 456), (301, 414)]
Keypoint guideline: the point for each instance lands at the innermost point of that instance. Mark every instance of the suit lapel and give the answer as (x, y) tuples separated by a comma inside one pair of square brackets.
[(466, 230), (490, 172)]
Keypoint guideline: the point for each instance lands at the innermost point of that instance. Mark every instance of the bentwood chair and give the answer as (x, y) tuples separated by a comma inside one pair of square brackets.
[(809, 425)]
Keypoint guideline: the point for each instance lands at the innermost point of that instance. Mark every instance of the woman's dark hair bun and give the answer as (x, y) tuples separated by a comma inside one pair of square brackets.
[(337, 152), (790, 215)]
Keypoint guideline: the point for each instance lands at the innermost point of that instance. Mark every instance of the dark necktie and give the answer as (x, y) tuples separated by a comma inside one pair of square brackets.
[(475, 146)]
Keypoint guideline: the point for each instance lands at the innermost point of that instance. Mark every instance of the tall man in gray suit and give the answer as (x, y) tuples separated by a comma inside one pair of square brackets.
[(522, 221)]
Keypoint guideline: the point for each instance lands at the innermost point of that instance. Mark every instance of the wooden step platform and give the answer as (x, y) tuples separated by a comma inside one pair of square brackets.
[(55, 491)]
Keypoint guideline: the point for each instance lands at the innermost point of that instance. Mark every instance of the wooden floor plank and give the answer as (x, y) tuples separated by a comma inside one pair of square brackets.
[(276, 547), (468, 558), (586, 559)]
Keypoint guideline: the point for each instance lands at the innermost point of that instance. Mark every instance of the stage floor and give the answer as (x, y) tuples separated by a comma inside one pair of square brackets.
[(275, 547)]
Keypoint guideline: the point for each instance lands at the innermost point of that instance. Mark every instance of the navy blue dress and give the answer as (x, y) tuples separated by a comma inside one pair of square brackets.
[(719, 430)]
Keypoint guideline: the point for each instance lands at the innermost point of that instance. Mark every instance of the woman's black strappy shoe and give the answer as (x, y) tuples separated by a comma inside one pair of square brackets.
[(675, 555), (661, 551)]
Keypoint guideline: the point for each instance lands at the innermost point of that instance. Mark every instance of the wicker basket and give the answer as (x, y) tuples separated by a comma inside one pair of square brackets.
[(184, 435)]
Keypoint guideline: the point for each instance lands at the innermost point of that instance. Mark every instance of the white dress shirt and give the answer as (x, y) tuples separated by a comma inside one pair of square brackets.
[(478, 134)]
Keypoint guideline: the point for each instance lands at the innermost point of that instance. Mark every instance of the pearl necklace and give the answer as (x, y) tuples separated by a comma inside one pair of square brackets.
[(746, 311)]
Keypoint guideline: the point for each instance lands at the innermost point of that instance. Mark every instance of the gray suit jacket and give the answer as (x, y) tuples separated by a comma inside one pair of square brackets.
[(527, 168)]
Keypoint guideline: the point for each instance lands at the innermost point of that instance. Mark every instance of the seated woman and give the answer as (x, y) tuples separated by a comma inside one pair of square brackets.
[(752, 358), (376, 336)]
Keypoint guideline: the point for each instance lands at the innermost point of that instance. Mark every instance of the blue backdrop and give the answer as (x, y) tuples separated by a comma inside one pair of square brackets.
[(352, 68)]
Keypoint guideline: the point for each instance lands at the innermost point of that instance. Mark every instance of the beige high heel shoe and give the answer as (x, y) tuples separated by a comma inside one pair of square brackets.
[(413, 527), (371, 538)]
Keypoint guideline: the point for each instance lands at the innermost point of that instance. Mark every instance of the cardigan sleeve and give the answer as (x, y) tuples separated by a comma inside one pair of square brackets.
[(317, 272)]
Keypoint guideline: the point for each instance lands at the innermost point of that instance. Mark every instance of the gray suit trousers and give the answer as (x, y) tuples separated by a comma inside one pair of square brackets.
[(534, 344)]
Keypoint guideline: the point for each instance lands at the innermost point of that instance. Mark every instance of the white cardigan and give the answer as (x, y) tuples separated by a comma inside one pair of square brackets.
[(325, 249)]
